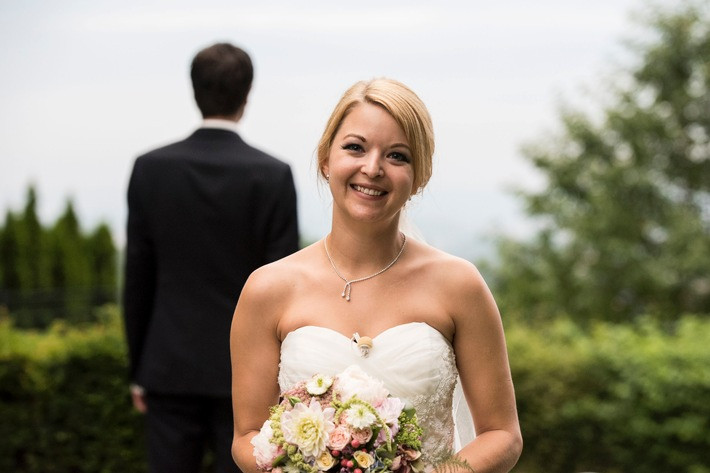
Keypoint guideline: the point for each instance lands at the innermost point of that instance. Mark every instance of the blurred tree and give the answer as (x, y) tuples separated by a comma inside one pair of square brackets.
[(70, 268), (14, 272), (55, 272), (103, 265), (34, 251), (626, 212)]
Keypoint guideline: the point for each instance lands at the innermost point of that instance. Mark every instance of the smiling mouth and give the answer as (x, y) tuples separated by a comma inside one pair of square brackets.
[(368, 191)]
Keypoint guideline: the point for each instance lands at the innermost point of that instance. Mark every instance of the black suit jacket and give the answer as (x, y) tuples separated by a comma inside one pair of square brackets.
[(203, 214)]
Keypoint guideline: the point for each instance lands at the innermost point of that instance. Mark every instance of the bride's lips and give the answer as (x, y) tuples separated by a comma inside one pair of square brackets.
[(371, 191)]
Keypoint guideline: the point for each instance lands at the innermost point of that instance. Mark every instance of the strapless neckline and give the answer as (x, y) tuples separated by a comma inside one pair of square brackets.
[(384, 333), (415, 362)]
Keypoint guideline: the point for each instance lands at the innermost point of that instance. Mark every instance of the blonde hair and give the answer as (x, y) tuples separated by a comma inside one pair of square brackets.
[(405, 107)]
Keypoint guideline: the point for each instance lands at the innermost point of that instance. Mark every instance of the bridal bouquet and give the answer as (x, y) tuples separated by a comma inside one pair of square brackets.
[(348, 423)]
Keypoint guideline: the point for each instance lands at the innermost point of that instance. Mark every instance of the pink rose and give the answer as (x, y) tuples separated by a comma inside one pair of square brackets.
[(390, 409), (339, 438), (362, 435), (382, 436)]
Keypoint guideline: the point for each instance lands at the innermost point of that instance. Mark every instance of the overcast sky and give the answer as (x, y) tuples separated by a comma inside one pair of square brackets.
[(86, 86)]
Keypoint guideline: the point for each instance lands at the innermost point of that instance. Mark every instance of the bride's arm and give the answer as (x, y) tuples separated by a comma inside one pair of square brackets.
[(255, 352), (482, 361)]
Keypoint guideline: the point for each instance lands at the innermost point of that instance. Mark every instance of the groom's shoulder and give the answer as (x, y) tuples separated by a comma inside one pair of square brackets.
[(162, 152), (262, 158)]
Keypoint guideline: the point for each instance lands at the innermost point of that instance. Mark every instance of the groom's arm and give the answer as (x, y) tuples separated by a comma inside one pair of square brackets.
[(140, 269), (283, 229)]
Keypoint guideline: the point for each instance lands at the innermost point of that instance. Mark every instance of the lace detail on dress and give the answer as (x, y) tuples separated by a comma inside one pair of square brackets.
[(434, 413)]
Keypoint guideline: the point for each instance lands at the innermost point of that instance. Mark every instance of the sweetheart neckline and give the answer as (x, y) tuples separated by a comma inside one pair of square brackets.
[(383, 332)]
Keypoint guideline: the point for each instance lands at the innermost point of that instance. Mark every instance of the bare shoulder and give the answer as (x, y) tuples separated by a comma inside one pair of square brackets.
[(457, 283), (454, 274), (276, 282), (271, 288)]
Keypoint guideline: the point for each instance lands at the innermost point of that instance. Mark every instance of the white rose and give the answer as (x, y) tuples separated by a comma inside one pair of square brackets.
[(355, 382)]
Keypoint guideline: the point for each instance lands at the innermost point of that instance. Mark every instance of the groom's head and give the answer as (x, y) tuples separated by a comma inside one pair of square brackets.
[(221, 78)]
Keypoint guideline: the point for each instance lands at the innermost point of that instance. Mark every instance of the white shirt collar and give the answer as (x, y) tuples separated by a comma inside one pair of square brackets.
[(220, 124)]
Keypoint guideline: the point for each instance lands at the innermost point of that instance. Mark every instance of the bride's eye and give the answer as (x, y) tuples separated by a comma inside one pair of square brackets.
[(353, 147), (399, 157)]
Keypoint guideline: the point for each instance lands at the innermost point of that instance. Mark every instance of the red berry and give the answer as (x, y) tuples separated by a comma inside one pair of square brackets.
[(344, 462), (357, 470), (355, 443), (335, 453), (350, 464)]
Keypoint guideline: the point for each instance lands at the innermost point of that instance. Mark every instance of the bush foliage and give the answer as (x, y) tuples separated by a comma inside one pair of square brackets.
[(64, 401), (613, 398)]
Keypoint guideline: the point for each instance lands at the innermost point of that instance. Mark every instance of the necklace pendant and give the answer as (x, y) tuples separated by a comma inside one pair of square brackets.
[(348, 284), (346, 291)]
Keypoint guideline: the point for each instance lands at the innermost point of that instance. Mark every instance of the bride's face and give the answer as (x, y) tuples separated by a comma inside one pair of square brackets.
[(370, 165)]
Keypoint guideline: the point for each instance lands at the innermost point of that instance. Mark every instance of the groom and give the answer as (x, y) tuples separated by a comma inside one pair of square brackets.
[(203, 213)]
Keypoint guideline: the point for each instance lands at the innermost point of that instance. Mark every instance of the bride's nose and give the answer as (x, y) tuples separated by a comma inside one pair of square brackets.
[(371, 166)]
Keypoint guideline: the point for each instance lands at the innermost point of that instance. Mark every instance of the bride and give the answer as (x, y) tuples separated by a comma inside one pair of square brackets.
[(410, 315)]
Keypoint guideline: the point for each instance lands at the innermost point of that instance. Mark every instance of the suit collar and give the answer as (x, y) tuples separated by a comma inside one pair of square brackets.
[(215, 134), (219, 123)]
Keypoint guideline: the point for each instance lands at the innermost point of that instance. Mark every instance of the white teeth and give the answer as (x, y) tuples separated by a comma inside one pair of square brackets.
[(367, 191)]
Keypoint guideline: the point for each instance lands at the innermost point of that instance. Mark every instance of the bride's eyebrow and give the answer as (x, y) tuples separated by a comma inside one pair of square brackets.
[(353, 135)]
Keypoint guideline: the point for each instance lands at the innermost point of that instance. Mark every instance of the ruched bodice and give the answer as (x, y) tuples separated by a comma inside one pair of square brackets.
[(414, 361)]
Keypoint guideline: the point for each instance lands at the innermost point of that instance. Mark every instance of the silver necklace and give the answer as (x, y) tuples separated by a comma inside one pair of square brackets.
[(348, 283)]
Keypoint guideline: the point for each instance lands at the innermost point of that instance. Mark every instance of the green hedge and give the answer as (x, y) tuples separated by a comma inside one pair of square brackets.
[(612, 399), (64, 402)]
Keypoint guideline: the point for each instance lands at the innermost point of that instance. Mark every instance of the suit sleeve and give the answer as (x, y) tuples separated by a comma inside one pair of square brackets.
[(140, 271), (283, 230)]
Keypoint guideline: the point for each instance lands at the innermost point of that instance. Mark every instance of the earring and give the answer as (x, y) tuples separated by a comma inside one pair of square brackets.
[(327, 178)]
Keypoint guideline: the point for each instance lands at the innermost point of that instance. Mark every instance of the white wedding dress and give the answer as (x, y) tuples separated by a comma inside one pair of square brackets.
[(414, 361)]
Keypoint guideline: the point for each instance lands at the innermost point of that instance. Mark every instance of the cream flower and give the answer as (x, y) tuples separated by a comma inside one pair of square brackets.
[(325, 461), (363, 459), (308, 427), (355, 382), (318, 384), (359, 416), (265, 452)]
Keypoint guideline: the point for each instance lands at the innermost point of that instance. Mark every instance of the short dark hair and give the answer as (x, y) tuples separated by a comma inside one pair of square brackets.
[(221, 78)]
